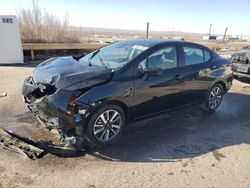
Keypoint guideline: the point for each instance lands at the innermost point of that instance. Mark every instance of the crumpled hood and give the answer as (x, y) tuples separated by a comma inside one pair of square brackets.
[(242, 53), (67, 73)]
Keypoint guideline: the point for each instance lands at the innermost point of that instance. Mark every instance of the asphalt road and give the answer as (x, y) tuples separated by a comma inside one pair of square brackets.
[(185, 148)]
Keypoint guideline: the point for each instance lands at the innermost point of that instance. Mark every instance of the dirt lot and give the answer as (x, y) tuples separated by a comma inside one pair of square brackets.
[(188, 148)]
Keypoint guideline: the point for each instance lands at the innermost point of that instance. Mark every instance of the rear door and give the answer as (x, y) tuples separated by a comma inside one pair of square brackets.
[(196, 69), (155, 93)]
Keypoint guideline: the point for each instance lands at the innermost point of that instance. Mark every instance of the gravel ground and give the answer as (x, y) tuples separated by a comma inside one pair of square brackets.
[(185, 148)]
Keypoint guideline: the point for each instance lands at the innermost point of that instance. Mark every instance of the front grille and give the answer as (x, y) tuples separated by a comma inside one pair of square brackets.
[(240, 59)]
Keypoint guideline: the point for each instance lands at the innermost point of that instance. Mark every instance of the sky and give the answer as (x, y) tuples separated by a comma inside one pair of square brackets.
[(169, 15)]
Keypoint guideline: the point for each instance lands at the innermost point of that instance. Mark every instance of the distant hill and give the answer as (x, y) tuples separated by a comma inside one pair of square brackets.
[(98, 30)]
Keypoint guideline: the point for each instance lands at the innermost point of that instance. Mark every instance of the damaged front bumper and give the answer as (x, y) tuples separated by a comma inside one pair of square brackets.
[(241, 69), (53, 109)]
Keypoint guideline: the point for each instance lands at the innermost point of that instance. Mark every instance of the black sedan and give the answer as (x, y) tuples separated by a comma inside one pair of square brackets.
[(90, 99)]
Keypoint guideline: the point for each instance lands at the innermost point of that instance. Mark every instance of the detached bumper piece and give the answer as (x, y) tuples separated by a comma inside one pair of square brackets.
[(19, 144), (35, 149)]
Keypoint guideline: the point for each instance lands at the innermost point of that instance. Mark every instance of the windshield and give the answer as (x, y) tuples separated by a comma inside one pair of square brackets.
[(116, 55)]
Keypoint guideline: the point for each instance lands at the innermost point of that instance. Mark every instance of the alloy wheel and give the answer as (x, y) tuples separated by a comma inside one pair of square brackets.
[(107, 125), (215, 97)]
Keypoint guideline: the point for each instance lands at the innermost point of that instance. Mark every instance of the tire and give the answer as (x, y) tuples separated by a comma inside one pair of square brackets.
[(105, 126), (214, 98)]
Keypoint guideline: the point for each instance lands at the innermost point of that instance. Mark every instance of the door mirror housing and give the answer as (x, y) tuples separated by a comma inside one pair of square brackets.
[(153, 71)]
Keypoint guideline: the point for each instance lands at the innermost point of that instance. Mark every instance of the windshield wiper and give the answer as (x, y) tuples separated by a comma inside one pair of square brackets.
[(93, 55), (77, 57)]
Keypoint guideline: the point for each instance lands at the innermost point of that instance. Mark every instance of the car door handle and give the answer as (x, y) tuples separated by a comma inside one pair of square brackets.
[(177, 77), (213, 66)]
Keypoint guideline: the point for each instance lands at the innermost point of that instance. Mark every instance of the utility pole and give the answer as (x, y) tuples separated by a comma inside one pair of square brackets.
[(210, 30), (224, 36), (94, 35), (147, 30)]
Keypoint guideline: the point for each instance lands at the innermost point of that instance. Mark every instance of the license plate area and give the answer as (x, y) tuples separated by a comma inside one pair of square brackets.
[(242, 69)]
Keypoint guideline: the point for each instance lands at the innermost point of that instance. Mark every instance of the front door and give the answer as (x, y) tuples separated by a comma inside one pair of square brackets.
[(158, 82)]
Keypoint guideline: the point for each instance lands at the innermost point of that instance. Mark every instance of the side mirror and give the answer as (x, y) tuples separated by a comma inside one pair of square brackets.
[(153, 71)]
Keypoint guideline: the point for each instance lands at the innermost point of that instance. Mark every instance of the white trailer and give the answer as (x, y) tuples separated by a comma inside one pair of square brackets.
[(10, 40)]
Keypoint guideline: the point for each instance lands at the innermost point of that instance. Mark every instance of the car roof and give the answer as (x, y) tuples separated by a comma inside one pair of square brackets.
[(154, 41), (157, 41)]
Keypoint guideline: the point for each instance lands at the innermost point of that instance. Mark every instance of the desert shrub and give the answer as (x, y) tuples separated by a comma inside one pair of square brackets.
[(39, 26), (216, 48)]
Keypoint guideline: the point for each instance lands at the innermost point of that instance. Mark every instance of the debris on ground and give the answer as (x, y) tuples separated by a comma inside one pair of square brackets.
[(9, 142), (4, 94)]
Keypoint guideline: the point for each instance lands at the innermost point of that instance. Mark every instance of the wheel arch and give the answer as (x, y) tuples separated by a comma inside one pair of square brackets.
[(222, 83), (122, 105)]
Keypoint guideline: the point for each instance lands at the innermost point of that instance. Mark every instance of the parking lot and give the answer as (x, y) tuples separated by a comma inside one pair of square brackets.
[(185, 148)]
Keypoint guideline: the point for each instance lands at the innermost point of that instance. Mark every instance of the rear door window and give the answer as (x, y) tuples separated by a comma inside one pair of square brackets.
[(193, 55), (207, 55)]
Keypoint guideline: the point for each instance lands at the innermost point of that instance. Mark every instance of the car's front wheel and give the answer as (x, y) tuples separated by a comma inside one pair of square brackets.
[(105, 125), (214, 98)]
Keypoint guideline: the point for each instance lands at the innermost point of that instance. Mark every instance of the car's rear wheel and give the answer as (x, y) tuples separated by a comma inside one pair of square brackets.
[(214, 98), (105, 126)]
